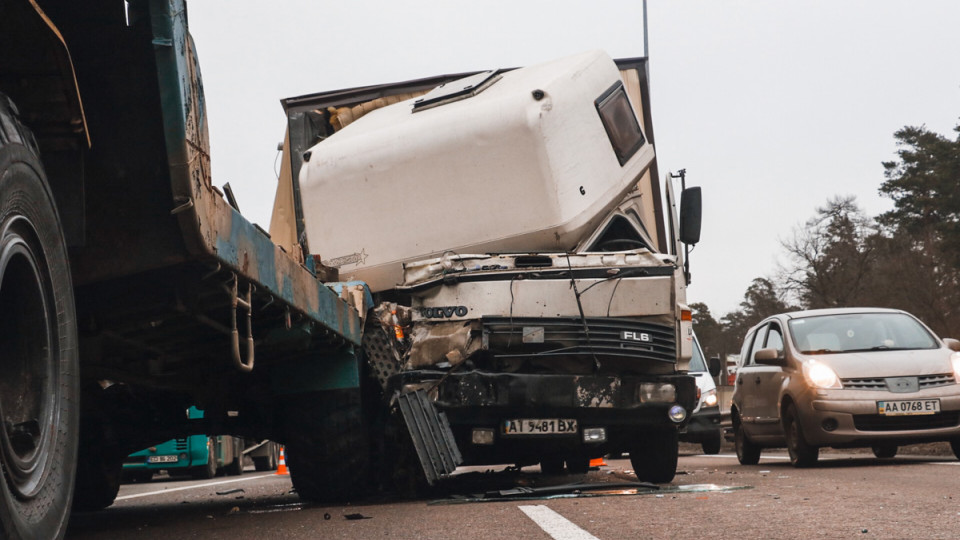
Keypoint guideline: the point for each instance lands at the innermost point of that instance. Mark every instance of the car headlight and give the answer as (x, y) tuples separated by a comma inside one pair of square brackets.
[(821, 376), (710, 398), (955, 359)]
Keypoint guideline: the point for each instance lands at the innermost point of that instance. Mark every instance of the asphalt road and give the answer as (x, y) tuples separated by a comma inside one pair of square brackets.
[(847, 496)]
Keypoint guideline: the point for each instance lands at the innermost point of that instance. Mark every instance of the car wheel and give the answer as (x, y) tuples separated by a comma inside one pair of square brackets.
[(802, 453), (711, 445), (884, 451), (551, 465), (748, 453), (39, 385), (955, 446), (656, 459)]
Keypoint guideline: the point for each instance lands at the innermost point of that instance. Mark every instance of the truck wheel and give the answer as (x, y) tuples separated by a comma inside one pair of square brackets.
[(551, 465), (269, 461), (711, 444), (578, 465), (209, 469), (802, 453), (235, 468), (327, 445), (98, 480), (748, 453), (655, 459), (39, 388)]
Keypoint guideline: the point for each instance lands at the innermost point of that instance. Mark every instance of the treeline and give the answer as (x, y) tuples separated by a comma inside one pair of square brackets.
[(907, 258)]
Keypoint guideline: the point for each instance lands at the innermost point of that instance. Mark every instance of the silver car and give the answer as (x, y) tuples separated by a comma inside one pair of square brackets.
[(851, 377)]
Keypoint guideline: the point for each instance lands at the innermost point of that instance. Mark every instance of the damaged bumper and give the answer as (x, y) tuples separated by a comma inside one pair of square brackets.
[(579, 415)]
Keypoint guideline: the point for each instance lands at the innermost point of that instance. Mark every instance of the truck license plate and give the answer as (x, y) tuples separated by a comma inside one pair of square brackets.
[(540, 426), (908, 407), (161, 459)]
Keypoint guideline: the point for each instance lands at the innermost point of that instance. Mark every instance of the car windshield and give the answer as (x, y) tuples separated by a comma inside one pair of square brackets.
[(856, 332)]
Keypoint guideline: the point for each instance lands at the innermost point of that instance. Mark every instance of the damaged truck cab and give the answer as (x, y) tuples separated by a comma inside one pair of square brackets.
[(527, 273)]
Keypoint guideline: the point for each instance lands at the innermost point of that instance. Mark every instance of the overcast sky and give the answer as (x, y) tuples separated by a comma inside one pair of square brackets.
[(772, 107)]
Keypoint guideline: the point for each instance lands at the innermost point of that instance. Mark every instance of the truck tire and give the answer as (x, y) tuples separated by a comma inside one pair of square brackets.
[(269, 461), (235, 468), (209, 469), (712, 442), (98, 481), (655, 458), (39, 389), (327, 445)]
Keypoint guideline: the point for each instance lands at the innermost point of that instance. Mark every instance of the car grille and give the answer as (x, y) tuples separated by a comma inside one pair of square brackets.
[(876, 422), (879, 383), (566, 336)]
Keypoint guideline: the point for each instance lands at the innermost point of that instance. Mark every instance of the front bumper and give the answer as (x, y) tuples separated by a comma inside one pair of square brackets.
[(850, 418), (486, 400), (703, 425)]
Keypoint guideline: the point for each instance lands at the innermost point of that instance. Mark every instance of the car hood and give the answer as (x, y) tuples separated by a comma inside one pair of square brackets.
[(872, 364)]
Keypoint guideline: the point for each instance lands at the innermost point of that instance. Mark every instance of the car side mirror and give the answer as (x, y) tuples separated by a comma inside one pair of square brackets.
[(690, 215), (770, 357), (714, 366), (952, 344)]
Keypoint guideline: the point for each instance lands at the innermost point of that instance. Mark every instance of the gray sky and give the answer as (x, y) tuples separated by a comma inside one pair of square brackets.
[(772, 107)]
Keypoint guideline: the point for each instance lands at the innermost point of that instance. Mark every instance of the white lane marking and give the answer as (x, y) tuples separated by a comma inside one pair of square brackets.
[(557, 526), (208, 484), (734, 456)]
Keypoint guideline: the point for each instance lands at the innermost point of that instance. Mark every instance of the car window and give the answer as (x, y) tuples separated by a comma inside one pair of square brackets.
[(849, 332), (757, 345), (774, 338), (697, 362)]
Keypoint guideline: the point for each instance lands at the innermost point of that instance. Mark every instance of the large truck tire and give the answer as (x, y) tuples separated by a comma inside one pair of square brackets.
[(327, 445), (98, 480), (654, 459), (39, 387)]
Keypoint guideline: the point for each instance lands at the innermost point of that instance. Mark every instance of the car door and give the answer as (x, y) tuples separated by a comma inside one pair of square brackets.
[(745, 395), (760, 387)]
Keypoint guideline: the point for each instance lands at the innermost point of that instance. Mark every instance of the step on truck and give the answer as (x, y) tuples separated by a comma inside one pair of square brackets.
[(130, 286), (526, 265)]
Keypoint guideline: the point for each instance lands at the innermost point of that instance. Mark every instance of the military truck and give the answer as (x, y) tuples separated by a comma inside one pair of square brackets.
[(526, 265)]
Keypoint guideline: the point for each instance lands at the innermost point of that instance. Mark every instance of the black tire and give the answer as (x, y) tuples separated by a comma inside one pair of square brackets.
[(712, 443), (39, 387), (655, 458), (209, 469), (955, 446), (235, 468), (327, 447), (98, 479), (578, 465), (551, 465), (884, 451), (269, 461), (802, 454), (748, 453)]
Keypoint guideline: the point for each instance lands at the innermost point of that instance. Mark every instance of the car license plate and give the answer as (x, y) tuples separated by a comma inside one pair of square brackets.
[(908, 407), (540, 426), (161, 459)]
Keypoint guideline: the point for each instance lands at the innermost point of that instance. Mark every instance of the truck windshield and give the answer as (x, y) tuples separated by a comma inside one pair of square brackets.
[(858, 332)]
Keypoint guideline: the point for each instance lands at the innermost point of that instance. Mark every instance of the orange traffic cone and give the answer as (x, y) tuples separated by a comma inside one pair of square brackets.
[(282, 466), (599, 462)]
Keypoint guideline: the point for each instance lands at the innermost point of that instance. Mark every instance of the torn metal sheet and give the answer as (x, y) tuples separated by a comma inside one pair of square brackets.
[(612, 491), (434, 343)]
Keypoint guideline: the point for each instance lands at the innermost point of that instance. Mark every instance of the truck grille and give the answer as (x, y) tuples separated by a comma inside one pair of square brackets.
[(876, 422), (566, 337), (879, 383), (180, 444)]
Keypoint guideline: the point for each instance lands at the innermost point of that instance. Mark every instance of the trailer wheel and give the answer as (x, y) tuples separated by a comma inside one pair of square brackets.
[(327, 445), (654, 459), (39, 388)]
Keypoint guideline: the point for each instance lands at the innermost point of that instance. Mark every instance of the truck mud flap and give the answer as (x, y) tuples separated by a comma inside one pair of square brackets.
[(431, 435)]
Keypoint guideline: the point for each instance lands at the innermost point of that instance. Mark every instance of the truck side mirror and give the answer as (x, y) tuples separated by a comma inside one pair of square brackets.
[(690, 213), (714, 366)]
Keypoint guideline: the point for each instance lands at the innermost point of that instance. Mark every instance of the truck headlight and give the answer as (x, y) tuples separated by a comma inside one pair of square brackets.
[(656, 393), (677, 414)]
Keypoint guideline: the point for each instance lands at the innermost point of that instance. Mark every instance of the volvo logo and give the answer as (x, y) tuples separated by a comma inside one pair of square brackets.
[(444, 312), (632, 335)]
